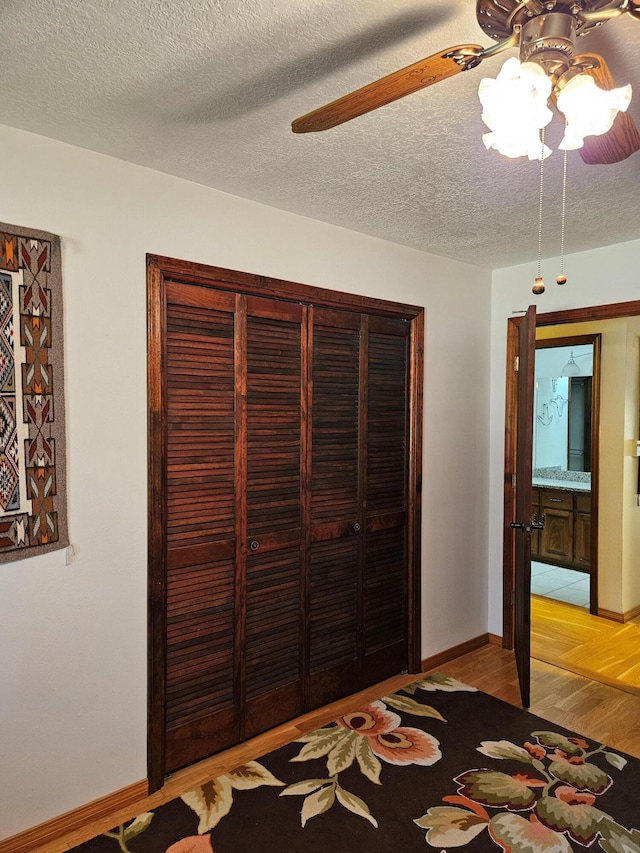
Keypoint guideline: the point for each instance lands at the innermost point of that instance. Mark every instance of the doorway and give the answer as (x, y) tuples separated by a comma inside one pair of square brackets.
[(553, 325), (566, 427)]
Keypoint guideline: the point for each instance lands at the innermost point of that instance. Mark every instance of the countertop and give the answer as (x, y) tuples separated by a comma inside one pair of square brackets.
[(564, 485)]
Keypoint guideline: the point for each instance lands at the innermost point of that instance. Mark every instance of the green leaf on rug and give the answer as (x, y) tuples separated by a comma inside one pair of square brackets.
[(519, 835), (370, 765), (437, 681), (504, 749), (583, 777), (492, 788), (319, 743), (252, 775), (317, 803), (580, 820), (138, 825), (449, 826), (307, 786), (211, 802), (343, 755), (557, 741), (410, 706), (355, 804), (616, 760), (617, 839)]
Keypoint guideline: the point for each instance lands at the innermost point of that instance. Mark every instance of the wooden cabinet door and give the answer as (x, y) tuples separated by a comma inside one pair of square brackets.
[(582, 540), (556, 540)]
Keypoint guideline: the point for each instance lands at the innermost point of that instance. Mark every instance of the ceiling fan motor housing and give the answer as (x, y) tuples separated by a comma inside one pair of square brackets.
[(549, 40), (500, 18)]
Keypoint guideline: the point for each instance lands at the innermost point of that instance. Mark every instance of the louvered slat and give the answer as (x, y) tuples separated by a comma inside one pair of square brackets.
[(336, 392), (387, 423), (273, 425), (334, 603), (200, 425)]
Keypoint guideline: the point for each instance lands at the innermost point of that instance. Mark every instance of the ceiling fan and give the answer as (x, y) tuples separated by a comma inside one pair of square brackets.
[(545, 32)]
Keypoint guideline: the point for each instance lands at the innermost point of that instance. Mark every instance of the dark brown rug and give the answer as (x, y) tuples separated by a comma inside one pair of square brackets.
[(437, 765)]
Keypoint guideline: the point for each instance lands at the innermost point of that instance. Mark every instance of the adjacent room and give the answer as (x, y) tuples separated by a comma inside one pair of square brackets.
[(257, 355)]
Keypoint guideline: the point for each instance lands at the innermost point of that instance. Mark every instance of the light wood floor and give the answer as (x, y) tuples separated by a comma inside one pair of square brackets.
[(595, 710), (571, 638)]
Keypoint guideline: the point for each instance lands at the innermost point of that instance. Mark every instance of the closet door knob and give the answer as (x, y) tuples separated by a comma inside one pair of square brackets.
[(356, 527), (254, 545)]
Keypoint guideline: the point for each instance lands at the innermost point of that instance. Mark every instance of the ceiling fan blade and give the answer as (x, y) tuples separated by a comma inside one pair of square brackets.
[(623, 139), (411, 79)]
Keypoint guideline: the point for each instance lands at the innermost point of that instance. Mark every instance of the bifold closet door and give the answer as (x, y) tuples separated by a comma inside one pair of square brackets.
[(336, 518), (385, 624), (272, 561), (358, 507), (234, 585)]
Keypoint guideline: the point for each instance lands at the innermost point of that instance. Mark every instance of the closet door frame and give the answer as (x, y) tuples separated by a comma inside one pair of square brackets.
[(161, 270)]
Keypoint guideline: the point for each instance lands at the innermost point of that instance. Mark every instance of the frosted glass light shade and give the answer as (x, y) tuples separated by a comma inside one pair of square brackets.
[(571, 368), (514, 108), (589, 110)]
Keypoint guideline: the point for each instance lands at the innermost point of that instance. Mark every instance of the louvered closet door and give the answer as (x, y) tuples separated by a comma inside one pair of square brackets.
[(275, 451), (234, 450), (201, 693), (385, 650), (336, 521)]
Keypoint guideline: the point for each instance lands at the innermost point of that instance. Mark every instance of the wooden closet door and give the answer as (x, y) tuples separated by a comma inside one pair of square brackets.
[(201, 709), (234, 549), (284, 503), (274, 551), (385, 632), (336, 520), (358, 508)]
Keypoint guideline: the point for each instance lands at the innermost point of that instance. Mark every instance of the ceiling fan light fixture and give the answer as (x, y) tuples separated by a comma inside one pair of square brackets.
[(588, 109), (514, 108)]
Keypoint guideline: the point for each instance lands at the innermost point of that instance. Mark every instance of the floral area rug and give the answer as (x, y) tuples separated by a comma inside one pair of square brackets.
[(436, 766)]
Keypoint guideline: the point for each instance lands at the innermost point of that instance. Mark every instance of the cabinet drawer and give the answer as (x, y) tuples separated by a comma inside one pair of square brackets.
[(555, 499), (583, 502)]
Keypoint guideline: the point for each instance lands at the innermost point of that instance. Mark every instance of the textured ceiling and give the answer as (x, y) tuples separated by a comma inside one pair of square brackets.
[(206, 90)]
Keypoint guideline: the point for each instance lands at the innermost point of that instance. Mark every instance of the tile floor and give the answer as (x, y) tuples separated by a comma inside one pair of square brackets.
[(560, 584)]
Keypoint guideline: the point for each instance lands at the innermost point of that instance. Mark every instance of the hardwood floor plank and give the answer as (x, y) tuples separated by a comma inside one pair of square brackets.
[(571, 638)]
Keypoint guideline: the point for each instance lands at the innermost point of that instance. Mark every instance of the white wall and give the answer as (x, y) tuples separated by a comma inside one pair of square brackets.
[(596, 277), (73, 638)]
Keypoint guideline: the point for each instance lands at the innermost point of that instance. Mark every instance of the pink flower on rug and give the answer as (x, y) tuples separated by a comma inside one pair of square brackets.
[(372, 719), (192, 844), (390, 741)]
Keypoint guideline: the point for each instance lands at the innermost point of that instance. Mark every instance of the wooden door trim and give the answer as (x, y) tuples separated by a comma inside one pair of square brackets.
[(162, 270), (273, 288), (594, 313), (157, 525)]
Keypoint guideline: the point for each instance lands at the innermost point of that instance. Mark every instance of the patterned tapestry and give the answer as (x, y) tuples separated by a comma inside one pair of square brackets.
[(33, 514)]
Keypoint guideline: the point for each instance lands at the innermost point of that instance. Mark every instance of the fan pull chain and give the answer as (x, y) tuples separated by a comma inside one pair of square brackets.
[(562, 279), (538, 285)]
